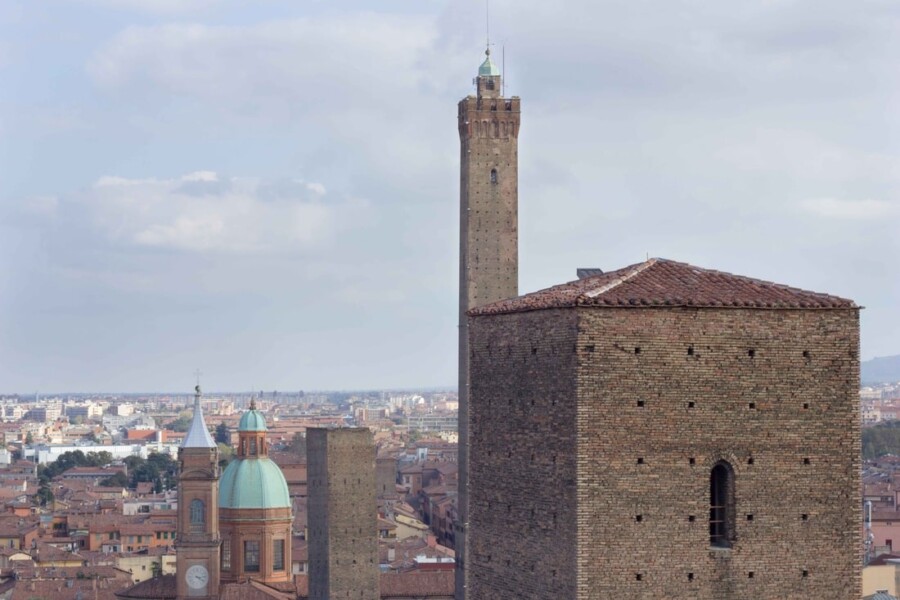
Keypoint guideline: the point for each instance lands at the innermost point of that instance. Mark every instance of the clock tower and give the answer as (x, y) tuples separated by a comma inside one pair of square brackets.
[(198, 542)]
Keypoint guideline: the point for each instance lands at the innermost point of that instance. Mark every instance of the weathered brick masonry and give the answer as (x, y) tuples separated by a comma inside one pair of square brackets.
[(598, 412), (343, 532)]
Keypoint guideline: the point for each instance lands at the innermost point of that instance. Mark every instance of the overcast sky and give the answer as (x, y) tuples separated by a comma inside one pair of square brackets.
[(268, 190)]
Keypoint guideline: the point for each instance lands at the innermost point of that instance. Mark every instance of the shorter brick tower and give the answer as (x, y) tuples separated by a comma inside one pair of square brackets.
[(197, 543), (342, 521)]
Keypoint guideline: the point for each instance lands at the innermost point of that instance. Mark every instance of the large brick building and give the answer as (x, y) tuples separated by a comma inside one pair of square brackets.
[(664, 431)]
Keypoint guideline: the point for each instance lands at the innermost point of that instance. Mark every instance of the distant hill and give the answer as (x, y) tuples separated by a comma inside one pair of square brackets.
[(881, 370)]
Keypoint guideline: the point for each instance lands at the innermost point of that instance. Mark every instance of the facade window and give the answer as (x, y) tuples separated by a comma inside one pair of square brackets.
[(253, 447), (251, 556), (226, 554), (278, 555), (721, 505), (198, 515), (493, 175)]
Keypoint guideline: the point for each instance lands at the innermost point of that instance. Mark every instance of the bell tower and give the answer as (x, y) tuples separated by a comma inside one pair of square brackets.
[(198, 541), (489, 237)]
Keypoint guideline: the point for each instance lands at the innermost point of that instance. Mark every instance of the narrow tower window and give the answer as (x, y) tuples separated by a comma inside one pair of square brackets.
[(493, 175), (721, 505), (198, 515)]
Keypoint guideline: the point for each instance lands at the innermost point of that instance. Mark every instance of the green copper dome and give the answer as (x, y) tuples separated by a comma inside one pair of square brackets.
[(252, 420), (488, 68), (253, 483)]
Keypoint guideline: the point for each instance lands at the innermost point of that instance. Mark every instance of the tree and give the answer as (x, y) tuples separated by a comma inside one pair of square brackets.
[(226, 455), (119, 479), (29, 439), (44, 495), (182, 423), (223, 435), (98, 459)]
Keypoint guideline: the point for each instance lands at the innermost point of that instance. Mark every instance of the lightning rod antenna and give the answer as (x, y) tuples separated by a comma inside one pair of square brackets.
[(503, 70), (487, 23)]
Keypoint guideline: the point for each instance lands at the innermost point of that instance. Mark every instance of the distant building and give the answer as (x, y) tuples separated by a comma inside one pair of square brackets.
[(433, 422)]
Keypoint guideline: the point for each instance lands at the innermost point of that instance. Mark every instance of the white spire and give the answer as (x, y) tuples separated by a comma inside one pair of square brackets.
[(198, 435)]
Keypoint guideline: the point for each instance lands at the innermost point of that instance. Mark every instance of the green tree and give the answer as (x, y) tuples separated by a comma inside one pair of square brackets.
[(119, 479), (98, 459), (223, 435), (44, 495), (29, 439), (881, 439), (182, 423)]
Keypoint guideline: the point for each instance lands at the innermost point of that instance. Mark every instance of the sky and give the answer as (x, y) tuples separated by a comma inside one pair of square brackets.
[(268, 191)]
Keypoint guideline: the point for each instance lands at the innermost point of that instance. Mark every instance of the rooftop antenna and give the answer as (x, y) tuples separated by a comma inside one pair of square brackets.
[(197, 374), (487, 24)]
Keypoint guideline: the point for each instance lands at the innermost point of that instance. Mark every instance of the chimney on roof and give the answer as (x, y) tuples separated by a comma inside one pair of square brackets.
[(588, 272)]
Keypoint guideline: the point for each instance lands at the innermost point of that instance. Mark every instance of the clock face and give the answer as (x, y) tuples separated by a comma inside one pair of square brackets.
[(197, 577)]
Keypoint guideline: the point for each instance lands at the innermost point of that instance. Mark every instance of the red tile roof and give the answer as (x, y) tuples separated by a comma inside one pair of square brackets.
[(664, 283)]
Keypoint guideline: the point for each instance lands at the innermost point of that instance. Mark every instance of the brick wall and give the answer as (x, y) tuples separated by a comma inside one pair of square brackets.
[(640, 407), (522, 450)]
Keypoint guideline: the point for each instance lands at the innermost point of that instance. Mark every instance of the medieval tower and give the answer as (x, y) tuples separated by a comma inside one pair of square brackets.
[(343, 547), (489, 224), (197, 545)]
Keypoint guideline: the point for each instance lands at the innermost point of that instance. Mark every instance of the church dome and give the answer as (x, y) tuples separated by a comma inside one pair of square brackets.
[(252, 420), (253, 483)]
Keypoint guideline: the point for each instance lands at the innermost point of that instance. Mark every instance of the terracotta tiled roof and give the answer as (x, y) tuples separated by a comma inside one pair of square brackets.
[(664, 283), (252, 590), (417, 584), (157, 588)]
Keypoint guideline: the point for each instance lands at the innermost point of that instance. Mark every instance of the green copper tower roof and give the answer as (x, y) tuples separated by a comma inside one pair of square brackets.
[(253, 483), (488, 68), (252, 420)]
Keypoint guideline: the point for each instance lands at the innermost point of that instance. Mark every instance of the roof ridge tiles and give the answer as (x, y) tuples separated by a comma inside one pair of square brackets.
[(659, 282)]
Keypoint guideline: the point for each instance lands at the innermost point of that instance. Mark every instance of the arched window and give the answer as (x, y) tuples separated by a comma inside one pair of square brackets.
[(198, 515), (493, 175), (721, 505)]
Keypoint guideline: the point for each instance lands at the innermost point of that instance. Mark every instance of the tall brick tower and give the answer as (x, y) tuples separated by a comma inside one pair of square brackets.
[(197, 544), (489, 236), (343, 528)]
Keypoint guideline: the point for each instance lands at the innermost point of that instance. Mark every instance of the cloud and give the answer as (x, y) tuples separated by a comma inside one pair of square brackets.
[(165, 7), (834, 208), (294, 63), (201, 212)]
